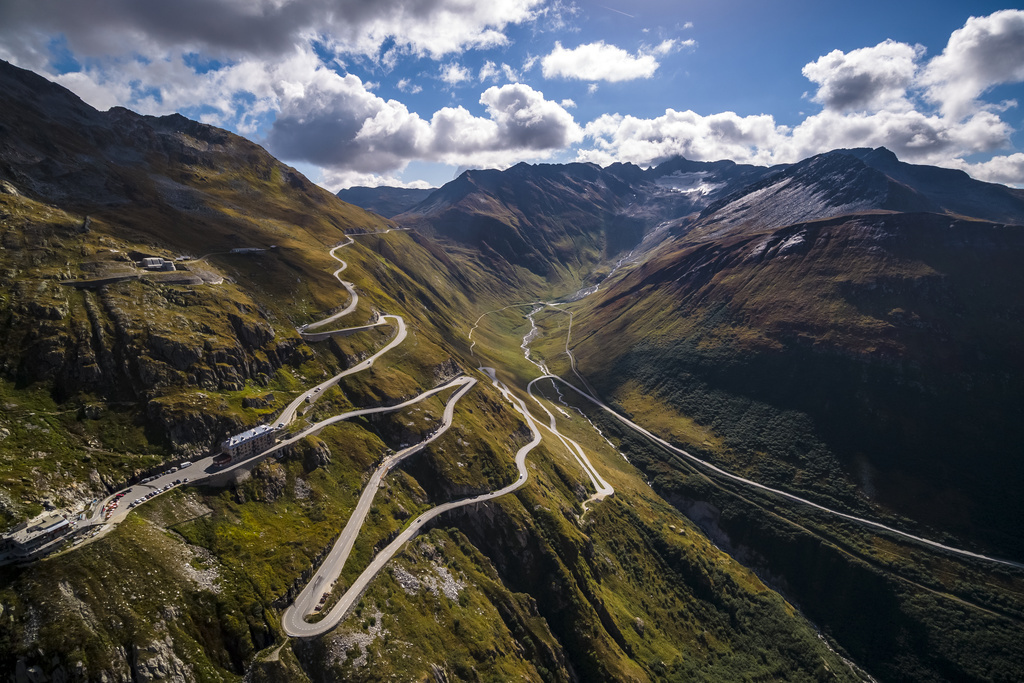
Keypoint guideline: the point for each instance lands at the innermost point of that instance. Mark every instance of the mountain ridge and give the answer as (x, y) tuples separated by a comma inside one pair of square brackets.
[(849, 181)]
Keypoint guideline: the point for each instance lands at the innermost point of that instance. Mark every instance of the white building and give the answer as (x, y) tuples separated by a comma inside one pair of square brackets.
[(249, 442), (156, 263), (28, 536)]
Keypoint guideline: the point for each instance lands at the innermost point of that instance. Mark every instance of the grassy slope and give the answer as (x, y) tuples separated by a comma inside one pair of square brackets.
[(859, 367), (866, 360)]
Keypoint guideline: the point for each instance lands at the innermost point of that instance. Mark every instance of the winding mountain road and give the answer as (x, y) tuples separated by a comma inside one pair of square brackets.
[(311, 395), (293, 620), (204, 468), (589, 394)]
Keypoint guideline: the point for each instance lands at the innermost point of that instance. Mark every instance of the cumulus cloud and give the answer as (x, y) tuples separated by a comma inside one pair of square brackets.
[(868, 79), (231, 28), (528, 121), (648, 141), (912, 135), (335, 180), (597, 62), (1008, 170), (986, 52), (454, 73), (334, 122)]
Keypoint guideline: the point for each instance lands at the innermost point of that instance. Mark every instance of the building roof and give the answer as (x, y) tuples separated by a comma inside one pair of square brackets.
[(38, 527), (248, 435)]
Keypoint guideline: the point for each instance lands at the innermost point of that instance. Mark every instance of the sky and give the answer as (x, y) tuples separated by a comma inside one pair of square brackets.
[(413, 92)]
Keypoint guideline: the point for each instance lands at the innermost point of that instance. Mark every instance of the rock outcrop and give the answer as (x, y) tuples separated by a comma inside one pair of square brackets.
[(157, 661)]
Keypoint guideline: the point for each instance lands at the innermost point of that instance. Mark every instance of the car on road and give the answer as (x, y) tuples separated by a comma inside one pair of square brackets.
[(185, 464)]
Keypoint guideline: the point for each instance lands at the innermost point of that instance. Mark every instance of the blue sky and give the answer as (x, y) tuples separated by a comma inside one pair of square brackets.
[(402, 92)]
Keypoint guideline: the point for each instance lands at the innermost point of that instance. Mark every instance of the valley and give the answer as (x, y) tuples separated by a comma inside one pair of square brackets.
[(554, 423)]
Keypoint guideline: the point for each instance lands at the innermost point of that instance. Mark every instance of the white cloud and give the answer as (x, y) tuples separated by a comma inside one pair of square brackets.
[(233, 29), (648, 141), (671, 45), (1008, 170), (592, 88), (333, 122), (488, 72), (454, 73), (868, 79), (528, 121), (238, 94), (913, 136), (568, 104), (557, 17), (986, 52), (597, 62), (405, 85), (492, 72), (664, 47), (101, 94), (337, 180)]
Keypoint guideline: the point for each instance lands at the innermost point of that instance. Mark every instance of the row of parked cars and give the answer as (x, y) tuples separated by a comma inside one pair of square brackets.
[(170, 471), (156, 492)]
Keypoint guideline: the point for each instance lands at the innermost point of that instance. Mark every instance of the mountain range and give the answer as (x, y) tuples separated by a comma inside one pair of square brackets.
[(783, 445)]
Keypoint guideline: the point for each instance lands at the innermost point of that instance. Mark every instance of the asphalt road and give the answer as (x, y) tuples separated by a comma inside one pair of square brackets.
[(204, 468), (784, 494), (349, 287), (293, 620), (311, 395)]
